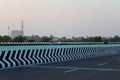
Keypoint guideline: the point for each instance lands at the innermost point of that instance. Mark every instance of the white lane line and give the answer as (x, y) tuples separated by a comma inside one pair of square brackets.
[(71, 70), (102, 64), (100, 69), (52, 67), (76, 68)]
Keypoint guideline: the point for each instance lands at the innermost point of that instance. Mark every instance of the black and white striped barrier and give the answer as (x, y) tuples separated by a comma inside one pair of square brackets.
[(13, 56)]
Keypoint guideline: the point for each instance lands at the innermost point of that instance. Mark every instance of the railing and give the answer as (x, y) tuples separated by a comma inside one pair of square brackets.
[(54, 43)]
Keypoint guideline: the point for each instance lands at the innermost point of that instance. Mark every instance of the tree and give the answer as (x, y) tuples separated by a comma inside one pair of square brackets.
[(97, 39), (76, 39), (0, 38), (116, 38), (5, 39), (44, 39), (64, 39), (94, 39), (19, 39)]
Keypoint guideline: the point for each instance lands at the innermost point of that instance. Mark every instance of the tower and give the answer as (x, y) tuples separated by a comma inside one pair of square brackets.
[(22, 28)]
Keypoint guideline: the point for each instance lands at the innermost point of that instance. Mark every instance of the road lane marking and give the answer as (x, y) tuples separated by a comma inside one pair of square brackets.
[(77, 68), (102, 64), (71, 70), (59, 67), (100, 69)]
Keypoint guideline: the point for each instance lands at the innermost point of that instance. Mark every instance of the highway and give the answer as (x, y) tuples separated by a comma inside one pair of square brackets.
[(101, 68)]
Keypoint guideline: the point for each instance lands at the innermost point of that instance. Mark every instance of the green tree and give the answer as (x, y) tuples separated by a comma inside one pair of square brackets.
[(19, 39), (45, 39), (116, 38), (97, 39), (64, 39), (0, 38), (5, 39)]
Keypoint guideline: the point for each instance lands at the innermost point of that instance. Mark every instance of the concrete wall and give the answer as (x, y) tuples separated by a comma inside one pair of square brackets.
[(14, 56)]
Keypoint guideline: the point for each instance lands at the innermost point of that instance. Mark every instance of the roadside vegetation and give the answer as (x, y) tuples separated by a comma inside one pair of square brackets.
[(51, 38)]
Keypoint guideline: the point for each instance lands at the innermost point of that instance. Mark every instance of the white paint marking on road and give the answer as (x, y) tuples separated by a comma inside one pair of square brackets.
[(102, 64), (100, 69), (76, 68), (53, 67), (71, 70)]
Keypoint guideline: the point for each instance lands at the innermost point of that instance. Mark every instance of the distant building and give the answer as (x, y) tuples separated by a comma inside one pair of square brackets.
[(15, 33)]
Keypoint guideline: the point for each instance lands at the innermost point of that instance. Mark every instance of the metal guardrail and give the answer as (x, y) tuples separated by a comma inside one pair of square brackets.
[(53, 43)]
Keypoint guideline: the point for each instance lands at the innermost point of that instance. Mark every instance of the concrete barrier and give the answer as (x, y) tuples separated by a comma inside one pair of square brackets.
[(14, 56)]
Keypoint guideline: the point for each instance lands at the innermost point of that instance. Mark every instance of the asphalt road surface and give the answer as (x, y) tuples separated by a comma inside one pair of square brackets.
[(102, 68)]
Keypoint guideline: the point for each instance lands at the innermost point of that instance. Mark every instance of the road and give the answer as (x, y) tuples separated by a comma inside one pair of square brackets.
[(102, 68)]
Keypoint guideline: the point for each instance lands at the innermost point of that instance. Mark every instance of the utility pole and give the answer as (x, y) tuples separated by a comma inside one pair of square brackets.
[(8, 30), (22, 29)]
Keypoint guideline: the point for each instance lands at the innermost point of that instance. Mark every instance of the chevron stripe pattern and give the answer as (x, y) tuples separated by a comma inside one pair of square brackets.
[(13, 56)]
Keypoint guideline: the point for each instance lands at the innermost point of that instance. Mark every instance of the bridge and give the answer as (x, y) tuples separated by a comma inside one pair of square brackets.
[(56, 56)]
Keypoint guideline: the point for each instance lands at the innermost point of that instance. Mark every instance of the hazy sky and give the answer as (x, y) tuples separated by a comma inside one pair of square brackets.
[(61, 17)]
